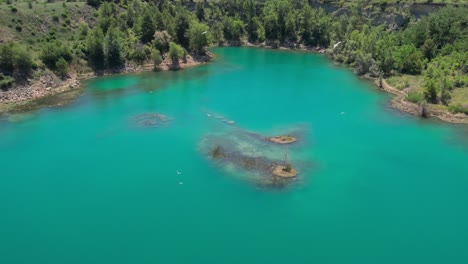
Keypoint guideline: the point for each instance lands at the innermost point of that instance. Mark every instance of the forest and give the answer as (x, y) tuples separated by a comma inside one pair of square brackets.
[(105, 36)]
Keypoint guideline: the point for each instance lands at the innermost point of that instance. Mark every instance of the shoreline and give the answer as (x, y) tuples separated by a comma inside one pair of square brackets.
[(28, 97), (18, 98), (398, 102)]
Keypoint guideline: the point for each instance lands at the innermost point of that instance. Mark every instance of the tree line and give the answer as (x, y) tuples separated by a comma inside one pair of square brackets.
[(135, 31)]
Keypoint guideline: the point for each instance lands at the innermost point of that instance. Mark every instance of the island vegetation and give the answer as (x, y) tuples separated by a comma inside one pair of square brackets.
[(422, 53)]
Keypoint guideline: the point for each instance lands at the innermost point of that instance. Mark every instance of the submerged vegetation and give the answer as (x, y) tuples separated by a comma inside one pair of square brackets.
[(378, 38)]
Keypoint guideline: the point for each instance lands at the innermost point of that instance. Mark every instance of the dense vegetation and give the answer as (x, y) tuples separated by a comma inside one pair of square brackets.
[(117, 33)]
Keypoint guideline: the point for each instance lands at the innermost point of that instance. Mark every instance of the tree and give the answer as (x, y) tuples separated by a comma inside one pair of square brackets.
[(384, 55), (95, 46), (107, 14), (233, 29), (181, 27), (52, 52), (146, 27), (113, 48), (15, 60), (162, 40), (176, 52), (430, 92), (199, 37), (7, 57), (200, 11), (94, 3), (22, 62), (62, 67), (157, 58), (409, 59), (218, 32)]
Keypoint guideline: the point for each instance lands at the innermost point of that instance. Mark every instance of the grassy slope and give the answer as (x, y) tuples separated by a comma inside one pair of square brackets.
[(31, 26), (415, 84)]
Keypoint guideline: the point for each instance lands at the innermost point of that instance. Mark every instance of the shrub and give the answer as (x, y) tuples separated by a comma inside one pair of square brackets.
[(157, 59), (19, 28), (62, 67), (458, 108), (176, 52), (14, 10), (6, 81), (22, 62), (55, 18), (52, 52), (414, 97)]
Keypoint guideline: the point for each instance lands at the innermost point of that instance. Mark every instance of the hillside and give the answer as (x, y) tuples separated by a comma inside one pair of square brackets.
[(419, 46)]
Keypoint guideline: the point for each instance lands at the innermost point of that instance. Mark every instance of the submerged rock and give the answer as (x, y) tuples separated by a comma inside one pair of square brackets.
[(251, 156), (149, 120)]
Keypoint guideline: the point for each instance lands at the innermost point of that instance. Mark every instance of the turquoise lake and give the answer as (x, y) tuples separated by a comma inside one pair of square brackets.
[(89, 183)]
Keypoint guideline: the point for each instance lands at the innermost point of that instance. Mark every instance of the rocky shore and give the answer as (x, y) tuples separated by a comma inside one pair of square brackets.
[(399, 102), (49, 84)]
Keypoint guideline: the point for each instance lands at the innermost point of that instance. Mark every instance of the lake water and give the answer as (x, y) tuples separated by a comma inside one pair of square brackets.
[(89, 182)]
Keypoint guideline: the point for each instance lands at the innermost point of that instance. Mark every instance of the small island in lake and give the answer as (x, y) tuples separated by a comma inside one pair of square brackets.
[(285, 171), (283, 139), (253, 157)]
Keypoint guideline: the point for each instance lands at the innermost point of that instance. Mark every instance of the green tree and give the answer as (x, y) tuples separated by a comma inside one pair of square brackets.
[(199, 37), (176, 52), (113, 48), (157, 58), (430, 92), (384, 54), (62, 67), (95, 46), (7, 57), (52, 52), (233, 29), (94, 3), (200, 11), (218, 32), (22, 62), (146, 27), (181, 27), (162, 40), (409, 59), (445, 95)]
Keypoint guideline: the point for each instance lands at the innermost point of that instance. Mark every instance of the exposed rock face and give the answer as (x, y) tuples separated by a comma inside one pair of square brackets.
[(47, 85)]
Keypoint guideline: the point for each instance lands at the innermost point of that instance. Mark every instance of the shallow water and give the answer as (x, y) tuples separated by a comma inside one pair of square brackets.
[(83, 184)]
